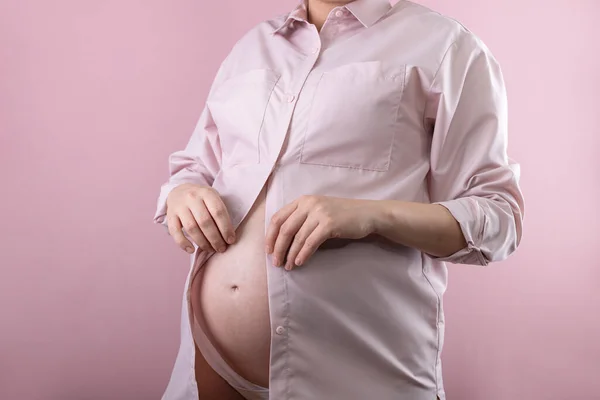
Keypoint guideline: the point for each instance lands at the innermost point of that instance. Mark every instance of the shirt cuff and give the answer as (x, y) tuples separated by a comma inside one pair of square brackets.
[(471, 219)]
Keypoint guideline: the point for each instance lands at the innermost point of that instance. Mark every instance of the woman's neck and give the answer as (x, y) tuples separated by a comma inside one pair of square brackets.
[(318, 10)]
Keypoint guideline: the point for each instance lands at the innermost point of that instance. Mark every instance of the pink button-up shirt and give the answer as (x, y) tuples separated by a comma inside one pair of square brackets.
[(384, 103)]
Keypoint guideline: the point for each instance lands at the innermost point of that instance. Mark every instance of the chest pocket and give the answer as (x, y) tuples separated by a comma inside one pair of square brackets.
[(238, 108), (354, 117)]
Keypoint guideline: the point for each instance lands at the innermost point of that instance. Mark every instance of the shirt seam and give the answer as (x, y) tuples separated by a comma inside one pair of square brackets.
[(437, 325), (435, 76)]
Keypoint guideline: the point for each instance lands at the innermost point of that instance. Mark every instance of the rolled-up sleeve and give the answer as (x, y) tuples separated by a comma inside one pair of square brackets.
[(199, 162), (471, 174)]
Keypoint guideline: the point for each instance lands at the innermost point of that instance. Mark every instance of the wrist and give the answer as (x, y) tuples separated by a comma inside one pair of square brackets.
[(380, 217)]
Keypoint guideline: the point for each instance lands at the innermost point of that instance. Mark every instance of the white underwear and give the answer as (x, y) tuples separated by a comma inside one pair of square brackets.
[(249, 390)]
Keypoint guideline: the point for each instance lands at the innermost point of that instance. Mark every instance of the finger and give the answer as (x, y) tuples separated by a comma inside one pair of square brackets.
[(317, 237), (298, 242), (275, 225), (220, 215), (208, 227), (190, 226), (176, 232), (286, 234)]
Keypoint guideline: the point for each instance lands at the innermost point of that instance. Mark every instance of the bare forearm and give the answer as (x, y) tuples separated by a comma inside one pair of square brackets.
[(430, 228)]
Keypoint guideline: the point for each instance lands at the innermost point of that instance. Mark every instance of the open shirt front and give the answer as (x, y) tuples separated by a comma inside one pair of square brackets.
[(390, 103)]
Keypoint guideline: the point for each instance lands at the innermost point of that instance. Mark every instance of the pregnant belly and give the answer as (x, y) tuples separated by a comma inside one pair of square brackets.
[(230, 299)]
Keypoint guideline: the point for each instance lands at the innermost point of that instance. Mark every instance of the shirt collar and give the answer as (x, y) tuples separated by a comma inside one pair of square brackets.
[(368, 12), (300, 13)]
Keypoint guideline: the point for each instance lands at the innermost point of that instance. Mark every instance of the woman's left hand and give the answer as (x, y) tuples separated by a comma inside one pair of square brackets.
[(298, 229)]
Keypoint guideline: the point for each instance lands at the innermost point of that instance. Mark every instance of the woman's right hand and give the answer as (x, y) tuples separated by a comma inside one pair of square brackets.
[(200, 212)]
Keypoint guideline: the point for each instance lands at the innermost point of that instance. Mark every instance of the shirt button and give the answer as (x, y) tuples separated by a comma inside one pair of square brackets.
[(280, 330), (291, 98), (339, 13)]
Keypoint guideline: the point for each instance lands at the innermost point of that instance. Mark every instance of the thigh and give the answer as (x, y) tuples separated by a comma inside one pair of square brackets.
[(211, 386)]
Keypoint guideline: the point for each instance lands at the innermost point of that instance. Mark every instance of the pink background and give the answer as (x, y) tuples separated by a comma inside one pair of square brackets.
[(95, 94)]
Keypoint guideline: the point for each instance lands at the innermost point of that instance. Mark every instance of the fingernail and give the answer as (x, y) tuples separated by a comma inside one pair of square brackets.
[(298, 262), (288, 267), (231, 239), (276, 262), (268, 249), (189, 250), (221, 249)]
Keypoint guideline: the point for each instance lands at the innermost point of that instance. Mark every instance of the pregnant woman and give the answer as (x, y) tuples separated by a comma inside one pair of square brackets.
[(347, 150)]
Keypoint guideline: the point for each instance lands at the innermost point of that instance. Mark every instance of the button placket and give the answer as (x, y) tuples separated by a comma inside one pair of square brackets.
[(281, 332)]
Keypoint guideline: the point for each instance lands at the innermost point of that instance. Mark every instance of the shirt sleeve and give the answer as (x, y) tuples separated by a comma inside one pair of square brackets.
[(471, 174), (200, 160)]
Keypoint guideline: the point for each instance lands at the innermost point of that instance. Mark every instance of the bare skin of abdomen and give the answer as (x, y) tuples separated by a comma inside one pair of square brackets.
[(229, 297)]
